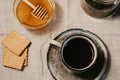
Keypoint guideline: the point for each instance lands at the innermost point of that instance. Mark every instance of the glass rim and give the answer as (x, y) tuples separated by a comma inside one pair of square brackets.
[(106, 1)]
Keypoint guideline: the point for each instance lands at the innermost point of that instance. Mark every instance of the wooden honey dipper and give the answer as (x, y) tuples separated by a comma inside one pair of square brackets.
[(39, 11)]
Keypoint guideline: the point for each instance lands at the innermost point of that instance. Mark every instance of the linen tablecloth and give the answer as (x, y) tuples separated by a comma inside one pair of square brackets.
[(69, 14)]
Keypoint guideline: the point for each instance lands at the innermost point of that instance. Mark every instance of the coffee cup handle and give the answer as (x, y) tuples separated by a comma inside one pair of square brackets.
[(55, 43)]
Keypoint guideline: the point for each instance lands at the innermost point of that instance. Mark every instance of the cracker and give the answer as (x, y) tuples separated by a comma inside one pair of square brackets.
[(25, 56), (26, 62), (11, 60), (15, 42)]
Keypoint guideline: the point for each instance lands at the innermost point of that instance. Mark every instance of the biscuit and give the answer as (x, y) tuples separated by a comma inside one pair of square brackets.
[(11, 60), (25, 56), (15, 42)]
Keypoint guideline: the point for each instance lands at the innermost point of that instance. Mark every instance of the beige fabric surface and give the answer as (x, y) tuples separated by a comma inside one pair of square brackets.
[(69, 14)]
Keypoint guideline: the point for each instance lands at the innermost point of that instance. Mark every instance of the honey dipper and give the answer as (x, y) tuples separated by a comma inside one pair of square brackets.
[(38, 11)]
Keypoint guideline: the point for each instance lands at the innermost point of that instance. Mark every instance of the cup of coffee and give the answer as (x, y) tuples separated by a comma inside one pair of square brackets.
[(78, 53)]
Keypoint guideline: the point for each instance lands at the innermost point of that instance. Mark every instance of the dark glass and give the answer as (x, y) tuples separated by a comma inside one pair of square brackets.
[(99, 8), (100, 5)]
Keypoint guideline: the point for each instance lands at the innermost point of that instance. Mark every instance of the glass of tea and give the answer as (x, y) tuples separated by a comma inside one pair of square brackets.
[(23, 11), (99, 8)]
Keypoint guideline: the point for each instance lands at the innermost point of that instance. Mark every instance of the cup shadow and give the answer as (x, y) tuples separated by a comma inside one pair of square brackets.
[(94, 72)]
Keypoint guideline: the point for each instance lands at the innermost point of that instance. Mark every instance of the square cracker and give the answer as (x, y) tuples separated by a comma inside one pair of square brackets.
[(11, 60), (15, 42), (25, 56)]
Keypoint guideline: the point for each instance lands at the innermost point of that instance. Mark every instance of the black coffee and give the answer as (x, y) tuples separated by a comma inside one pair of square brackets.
[(78, 53)]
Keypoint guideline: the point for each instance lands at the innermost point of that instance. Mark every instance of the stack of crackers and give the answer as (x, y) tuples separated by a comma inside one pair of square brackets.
[(15, 52)]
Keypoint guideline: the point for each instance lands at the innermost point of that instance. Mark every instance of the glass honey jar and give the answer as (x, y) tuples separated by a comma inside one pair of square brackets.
[(23, 14)]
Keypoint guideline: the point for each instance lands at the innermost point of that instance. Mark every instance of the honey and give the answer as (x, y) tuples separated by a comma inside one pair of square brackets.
[(23, 13)]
